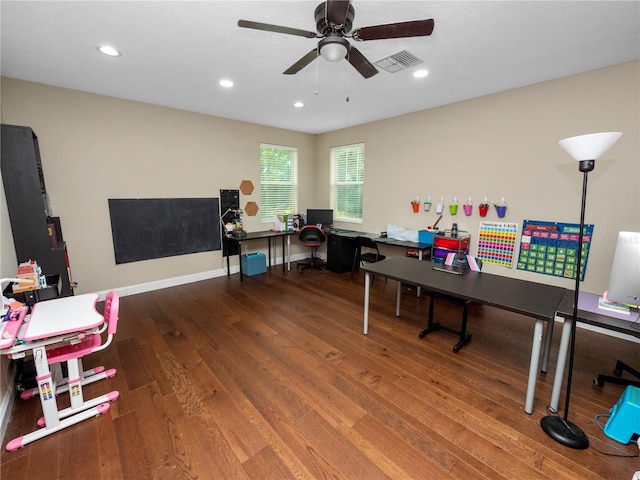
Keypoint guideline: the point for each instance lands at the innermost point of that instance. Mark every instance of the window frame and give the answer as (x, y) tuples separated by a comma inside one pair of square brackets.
[(359, 149), (268, 212)]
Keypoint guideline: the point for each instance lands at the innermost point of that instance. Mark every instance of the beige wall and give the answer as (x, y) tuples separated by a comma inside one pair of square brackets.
[(94, 148), (506, 145)]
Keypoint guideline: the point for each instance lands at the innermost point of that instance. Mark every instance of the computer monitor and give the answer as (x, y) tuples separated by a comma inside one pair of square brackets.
[(624, 281), (323, 217)]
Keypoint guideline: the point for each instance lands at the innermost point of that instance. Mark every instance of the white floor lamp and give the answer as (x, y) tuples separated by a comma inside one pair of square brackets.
[(586, 149)]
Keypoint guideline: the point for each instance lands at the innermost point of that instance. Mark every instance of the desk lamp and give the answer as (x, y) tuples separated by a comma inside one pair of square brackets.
[(586, 149)]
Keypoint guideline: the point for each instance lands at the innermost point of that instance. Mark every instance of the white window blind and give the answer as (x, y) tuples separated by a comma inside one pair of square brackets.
[(278, 181), (347, 182)]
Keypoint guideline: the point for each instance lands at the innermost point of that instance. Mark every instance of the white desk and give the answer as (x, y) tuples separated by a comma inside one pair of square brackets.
[(589, 313), (54, 323)]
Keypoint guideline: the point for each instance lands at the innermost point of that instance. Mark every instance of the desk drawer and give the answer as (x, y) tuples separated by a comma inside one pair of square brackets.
[(451, 243)]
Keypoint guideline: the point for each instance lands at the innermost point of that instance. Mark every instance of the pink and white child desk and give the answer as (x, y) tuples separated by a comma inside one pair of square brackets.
[(53, 323)]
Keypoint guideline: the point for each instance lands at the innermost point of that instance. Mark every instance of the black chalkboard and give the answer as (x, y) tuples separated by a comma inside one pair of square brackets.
[(145, 228)]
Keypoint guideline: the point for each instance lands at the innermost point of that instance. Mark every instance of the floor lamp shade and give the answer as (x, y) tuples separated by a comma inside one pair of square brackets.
[(585, 149), (589, 147)]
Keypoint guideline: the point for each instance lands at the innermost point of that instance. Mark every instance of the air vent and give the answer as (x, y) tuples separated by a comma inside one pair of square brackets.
[(398, 62)]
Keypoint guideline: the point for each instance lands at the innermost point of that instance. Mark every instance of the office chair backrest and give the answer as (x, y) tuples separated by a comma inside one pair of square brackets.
[(366, 242), (111, 309), (310, 235)]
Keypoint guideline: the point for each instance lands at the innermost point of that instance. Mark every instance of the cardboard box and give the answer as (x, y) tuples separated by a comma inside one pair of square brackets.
[(253, 263)]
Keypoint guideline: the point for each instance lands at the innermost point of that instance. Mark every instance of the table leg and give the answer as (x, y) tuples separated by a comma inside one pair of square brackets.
[(269, 251), (367, 283), (547, 347), (53, 421), (418, 289), (398, 297), (226, 242), (536, 346), (560, 364), (46, 387), (283, 262), (240, 260), (288, 253)]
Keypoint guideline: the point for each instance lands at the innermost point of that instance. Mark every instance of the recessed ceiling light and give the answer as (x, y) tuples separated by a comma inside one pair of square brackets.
[(420, 73), (226, 83), (109, 51), (298, 104)]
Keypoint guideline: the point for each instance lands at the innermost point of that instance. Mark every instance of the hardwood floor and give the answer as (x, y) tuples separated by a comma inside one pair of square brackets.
[(273, 379)]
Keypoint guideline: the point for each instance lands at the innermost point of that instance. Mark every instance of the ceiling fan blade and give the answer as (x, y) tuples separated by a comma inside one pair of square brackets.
[(337, 11), (303, 62), (360, 63), (276, 28), (414, 28)]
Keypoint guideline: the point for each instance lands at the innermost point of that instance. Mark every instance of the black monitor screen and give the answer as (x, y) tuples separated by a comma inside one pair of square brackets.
[(320, 217)]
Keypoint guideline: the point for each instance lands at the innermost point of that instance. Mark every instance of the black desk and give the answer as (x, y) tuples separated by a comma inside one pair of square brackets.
[(269, 235), (520, 296), (341, 248), (589, 313)]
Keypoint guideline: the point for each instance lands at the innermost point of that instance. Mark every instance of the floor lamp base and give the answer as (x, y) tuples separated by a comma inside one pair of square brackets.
[(564, 432)]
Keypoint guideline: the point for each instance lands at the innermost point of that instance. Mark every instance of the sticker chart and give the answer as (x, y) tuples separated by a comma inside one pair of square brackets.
[(497, 242), (551, 248)]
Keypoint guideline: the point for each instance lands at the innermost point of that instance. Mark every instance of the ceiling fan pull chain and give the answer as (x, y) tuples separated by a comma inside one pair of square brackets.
[(317, 77), (348, 85)]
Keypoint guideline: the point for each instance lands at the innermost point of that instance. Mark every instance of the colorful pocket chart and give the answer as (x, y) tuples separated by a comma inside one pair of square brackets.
[(551, 248)]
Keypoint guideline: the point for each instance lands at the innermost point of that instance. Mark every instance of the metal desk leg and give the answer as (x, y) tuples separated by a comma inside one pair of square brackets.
[(283, 262), (398, 297), (536, 346), (547, 347), (418, 289), (269, 251), (226, 242), (367, 283), (288, 253), (562, 360), (240, 260)]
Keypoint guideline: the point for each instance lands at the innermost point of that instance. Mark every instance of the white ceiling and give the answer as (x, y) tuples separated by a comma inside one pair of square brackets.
[(175, 52)]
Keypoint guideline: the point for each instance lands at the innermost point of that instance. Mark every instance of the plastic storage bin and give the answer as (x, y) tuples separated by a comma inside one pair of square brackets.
[(253, 263), (624, 421)]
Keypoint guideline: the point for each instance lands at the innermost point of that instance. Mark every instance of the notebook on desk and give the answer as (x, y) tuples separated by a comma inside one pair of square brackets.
[(455, 269)]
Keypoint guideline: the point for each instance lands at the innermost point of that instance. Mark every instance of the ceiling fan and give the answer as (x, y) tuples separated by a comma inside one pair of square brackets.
[(334, 19)]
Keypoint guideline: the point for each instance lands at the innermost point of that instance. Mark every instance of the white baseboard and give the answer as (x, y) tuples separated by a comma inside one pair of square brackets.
[(194, 277)]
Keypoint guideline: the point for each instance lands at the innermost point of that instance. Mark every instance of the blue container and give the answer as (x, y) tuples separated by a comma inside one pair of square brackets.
[(624, 421), (426, 236), (253, 263)]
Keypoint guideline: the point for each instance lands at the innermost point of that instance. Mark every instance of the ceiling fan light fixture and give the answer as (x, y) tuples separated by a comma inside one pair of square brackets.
[(108, 50), (333, 48)]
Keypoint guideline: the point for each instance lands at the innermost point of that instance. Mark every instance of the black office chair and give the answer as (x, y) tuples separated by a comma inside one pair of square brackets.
[(311, 236), (618, 379), (366, 251), (463, 336)]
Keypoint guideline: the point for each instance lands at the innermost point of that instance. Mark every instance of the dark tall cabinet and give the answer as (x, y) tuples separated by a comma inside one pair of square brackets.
[(37, 235), (340, 253)]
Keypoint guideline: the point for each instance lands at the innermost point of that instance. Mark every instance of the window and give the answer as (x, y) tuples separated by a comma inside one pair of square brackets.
[(347, 182), (278, 181)]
